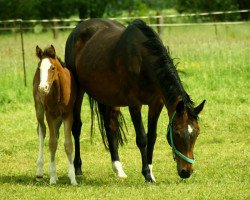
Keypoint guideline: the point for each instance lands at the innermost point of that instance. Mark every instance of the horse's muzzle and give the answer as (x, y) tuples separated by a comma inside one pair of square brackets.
[(185, 173)]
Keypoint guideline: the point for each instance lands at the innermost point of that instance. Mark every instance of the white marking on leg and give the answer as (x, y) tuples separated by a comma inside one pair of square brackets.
[(151, 172), (53, 176), (71, 173), (117, 168), (68, 146), (190, 129), (39, 173)]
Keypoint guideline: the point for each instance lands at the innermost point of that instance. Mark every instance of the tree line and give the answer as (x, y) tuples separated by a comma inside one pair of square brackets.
[(49, 9)]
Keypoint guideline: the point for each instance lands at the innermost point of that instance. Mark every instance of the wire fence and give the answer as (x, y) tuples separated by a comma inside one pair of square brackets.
[(158, 21)]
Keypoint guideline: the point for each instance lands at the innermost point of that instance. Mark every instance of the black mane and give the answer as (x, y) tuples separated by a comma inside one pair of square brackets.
[(163, 68)]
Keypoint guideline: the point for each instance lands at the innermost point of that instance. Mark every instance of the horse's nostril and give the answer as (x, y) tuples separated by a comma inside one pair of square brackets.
[(185, 173)]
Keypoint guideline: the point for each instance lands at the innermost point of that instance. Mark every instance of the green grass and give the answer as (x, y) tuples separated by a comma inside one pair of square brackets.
[(217, 68)]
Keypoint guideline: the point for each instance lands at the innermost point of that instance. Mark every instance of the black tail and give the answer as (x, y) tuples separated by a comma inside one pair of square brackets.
[(110, 120)]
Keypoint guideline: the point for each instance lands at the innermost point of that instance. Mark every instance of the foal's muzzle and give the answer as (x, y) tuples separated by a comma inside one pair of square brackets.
[(44, 88)]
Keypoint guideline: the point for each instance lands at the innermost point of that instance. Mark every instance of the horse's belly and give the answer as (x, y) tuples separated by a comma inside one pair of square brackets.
[(106, 87)]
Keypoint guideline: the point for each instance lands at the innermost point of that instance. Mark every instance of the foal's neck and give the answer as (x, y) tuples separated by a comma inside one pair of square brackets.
[(63, 85)]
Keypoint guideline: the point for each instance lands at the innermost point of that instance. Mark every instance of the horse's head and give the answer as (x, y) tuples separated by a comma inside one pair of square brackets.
[(183, 131), (48, 66)]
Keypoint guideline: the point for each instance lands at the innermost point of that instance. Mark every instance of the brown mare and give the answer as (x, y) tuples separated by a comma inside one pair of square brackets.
[(129, 66), (54, 92)]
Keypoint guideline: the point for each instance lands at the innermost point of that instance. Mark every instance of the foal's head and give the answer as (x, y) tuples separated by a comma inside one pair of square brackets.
[(183, 131), (48, 66)]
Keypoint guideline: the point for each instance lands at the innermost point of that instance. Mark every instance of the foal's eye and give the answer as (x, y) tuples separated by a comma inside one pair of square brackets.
[(52, 67)]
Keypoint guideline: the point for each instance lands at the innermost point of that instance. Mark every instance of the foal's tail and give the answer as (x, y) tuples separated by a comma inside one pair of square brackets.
[(110, 122)]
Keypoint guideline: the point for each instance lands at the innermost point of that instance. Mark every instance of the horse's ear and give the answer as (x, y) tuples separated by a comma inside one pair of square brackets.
[(199, 108), (52, 51), (39, 52), (180, 107)]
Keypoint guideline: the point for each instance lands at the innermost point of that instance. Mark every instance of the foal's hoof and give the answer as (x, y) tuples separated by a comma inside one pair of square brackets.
[(53, 180), (39, 178), (74, 183), (78, 172)]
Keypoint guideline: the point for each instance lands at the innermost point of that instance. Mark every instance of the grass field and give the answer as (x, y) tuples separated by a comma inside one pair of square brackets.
[(217, 68)]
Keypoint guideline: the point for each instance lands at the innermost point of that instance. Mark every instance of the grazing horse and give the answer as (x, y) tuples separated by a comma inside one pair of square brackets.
[(54, 93), (129, 66)]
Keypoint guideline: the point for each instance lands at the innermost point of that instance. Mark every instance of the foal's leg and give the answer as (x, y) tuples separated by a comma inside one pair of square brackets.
[(153, 116), (76, 131), (68, 145), (41, 130), (110, 117), (53, 141), (141, 140)]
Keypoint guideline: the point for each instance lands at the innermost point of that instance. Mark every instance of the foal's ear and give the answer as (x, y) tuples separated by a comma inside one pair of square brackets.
[(199, 108), (52, 51), (39, 52), (180, 107)]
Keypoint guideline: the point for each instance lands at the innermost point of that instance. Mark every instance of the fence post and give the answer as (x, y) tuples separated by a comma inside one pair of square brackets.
[(159, 21), (23, 53)]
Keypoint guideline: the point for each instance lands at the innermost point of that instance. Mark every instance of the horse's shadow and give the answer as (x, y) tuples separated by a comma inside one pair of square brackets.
[(62, 181)]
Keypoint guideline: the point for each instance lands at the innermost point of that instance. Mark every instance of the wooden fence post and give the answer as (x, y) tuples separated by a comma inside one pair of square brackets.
[(23, 53)]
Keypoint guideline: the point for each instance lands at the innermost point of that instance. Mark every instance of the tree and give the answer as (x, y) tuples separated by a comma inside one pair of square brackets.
[(91, 8), (18, 9), (205, 6)]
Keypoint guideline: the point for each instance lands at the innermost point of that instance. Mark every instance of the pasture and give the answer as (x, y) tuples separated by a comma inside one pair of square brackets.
[(216, 68)]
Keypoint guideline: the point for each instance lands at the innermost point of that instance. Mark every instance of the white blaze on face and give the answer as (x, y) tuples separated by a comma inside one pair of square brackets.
[(190, 129), (44, 70)]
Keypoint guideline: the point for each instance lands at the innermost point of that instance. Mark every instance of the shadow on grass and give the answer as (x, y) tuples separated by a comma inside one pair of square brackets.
[(82, 181), (62, 181)]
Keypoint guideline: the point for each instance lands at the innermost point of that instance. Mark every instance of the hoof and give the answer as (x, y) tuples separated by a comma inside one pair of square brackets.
[(53, 180), (117, 168), (74, 183), (78, 172), (39, 178), (122, 175), (149, 178)]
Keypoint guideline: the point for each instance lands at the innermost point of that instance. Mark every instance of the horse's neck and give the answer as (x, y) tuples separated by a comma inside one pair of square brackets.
[(172, 108)]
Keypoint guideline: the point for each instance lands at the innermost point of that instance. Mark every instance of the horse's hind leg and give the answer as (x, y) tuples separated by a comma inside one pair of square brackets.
[(141, 140), (68, 145), (41, 130), (76, 131), (110, 119), (153, 116)]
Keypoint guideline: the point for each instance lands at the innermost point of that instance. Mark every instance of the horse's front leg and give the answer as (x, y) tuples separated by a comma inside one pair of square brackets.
[(141, 140), (68, 145), (76, 131), (41, 130), (153, 116), (54, 125)]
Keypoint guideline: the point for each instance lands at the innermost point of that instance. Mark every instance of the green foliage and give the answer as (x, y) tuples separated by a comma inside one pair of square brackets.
[(49, 9), (18, 9), (91, 8), (205, 6)]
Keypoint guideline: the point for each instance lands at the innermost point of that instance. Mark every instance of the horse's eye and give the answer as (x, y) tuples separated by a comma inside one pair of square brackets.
[(52, 67)]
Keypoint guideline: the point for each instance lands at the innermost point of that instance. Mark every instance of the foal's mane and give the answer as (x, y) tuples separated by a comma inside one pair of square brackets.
[(163, 70)]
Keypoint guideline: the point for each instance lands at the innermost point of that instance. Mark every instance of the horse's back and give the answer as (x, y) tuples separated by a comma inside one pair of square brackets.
[(82, 33)]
